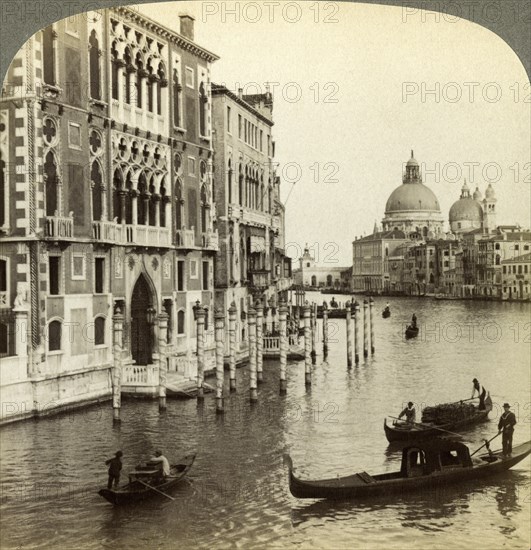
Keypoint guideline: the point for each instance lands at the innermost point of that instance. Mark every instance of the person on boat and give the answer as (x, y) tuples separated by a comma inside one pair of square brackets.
[(409, 412), (163, 461), (414, 321), (387, 306), (482, 392), (115, 467), (333, 302), (506, 428)]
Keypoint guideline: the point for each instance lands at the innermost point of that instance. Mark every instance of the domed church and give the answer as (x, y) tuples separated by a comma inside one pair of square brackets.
[(413, 207), (471, 212)]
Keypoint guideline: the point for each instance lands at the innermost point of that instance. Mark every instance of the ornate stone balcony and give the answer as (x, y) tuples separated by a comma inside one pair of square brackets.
[(259, 278), (141, 235), (59, 227), (185, 238), (210, 240)]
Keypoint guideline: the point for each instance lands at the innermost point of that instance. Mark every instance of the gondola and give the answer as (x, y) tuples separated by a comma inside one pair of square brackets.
[(425, 466), (412, 332), (386, 313), (414, 432), (145, 482)]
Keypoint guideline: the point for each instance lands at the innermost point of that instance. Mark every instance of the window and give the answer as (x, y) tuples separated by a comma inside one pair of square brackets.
[(205, 275), (517, 247), (520, 269), (180, 275), (74, 135), (54, 336), (97, 191), (54, 265), (203, 107), (307, 264), (176, 99), (99, 275), (94, 66), (189, 77), (180, 321), (228, 120), (99, 331), (48, 55), (261, 141), (504, 269), (4, 298), (114, 71), (78, 267), (240, 126), (4, 339), (525, 268), (3, 187), (526, 247), (497, 246), (50, 185)]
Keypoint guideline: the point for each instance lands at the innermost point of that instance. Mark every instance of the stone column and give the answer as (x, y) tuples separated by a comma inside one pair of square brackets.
[(371, 313), (232, 344), (282, 314), (219, 324), (118, 327), (251, 321), (163, 360), (307, 345), (259, 340), (349, 335), (200, 337), (21, 331)]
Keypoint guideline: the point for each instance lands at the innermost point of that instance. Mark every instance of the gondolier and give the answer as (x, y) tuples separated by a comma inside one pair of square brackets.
[(506, 428), (482, 392), (159, 458), (115, 467), (409, 412)]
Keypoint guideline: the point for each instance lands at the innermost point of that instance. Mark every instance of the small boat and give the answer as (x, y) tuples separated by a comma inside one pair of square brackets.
[(386, 313), (425, 466), (146, 482), (416, 431), (412, 332)]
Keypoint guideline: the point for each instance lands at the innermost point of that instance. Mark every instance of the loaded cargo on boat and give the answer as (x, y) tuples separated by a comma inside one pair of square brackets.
[(448, 413)]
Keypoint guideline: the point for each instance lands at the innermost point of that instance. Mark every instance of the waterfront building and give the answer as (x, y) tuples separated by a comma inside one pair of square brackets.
[(312, 275), (251, 262), (516, 276), (107, 208)]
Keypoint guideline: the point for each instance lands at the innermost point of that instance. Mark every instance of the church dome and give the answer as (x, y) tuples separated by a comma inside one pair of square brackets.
[(466, 209), (477, 194), (412, 196), (489, 193)]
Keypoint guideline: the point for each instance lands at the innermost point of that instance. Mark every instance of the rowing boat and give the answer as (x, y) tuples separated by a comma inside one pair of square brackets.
[(416, 431), (412, 332), (424, 466), (146, 482)]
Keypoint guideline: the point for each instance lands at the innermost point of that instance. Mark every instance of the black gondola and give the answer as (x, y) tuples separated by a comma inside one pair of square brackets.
[(386, 313), (425, 466), (146, 482), (412, 331)]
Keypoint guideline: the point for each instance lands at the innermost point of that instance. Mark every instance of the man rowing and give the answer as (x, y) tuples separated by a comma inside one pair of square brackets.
[(164, 465), (482, 392), (506, 428), (409, 412)]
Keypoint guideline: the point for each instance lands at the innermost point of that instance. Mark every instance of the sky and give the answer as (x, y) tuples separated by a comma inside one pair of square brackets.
[(356, 88)]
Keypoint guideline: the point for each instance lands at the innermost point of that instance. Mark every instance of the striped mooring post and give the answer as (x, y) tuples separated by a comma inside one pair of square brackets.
[(163, 360), (118, 327), (200, 314), (325, 329), (307, 345), (357, 321), (251, 322), (219, 327), (282, 314), (232, 347), (371, 312), (259, 340), (365, 328)]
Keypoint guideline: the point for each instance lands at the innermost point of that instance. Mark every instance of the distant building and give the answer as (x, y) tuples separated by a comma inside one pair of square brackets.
[(310, 274), (516, 277)]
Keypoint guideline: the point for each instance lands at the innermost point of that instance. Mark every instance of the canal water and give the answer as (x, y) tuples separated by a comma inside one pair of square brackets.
[(237, 493)]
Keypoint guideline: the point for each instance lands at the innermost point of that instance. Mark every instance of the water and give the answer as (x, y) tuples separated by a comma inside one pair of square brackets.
[(237, 494)]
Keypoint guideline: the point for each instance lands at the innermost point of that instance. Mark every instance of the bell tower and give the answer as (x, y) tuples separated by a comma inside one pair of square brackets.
[(489, 210)]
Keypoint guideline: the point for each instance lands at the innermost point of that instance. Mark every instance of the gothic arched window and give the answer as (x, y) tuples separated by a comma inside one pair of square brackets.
[(114, 71), (48, 55), (99, 331), (51, 181), (117, 188), (139, 76), (3, 194), (176, 99), (179, 205), (204, 209), (141, 200), (229, 182), (203, 100), (240, 188), (161, 81), (153, 200), (54, 336), (97, 191), (162, 205), (94, 63), (128, 67), (180, 322)]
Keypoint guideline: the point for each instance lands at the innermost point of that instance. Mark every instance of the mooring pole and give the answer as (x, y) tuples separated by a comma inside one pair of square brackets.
[(307, 345), (219, 327), (282, 313), (349, 334), (118, 326), (325, 329), (232, 346), (251, 321), (200, 337), (365, 329), (371, 312), (357, 322), (259, 340)]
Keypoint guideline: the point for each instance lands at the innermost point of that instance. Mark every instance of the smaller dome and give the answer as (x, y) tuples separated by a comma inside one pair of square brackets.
[(477, 196), (466, 209), (489, 193)]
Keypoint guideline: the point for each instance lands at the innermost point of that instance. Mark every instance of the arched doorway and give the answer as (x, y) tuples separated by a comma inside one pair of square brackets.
[(141, 330)]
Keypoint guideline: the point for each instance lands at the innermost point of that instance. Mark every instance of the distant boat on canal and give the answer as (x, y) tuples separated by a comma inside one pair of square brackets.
[(425, 467), (145, 482)]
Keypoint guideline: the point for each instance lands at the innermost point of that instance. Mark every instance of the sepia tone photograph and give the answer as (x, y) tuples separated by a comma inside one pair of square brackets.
[(265, 275)]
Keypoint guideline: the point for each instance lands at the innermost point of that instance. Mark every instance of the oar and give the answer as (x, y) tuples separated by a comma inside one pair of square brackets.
[(155, 489), (485, 444), (429, 427), (462, 400)]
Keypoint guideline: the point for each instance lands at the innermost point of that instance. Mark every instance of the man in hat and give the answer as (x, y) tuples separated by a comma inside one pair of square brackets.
[(163, 462), (409, 412), (482, 392), (506, 427), (115, 467)]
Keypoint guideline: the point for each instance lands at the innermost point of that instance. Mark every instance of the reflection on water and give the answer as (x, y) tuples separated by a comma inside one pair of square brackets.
[(237, 493)]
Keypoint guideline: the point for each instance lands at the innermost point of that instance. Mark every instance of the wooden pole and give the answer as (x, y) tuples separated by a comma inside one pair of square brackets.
[(251, 321), (365, 328), (307, 345), (325, 329), (349, 334), (163, 360), (219, 335), (259, 340), (118, 326), (200, 337), (313, 324), (282, 313), (357, 321), (232, 346), (371, 312)]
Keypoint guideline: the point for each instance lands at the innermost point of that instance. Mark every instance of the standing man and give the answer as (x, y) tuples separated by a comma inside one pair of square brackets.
[(409, 412), (115, 467), (477, 387), (506, 426)]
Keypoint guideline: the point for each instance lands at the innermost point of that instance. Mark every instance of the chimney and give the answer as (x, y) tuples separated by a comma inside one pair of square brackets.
[(240, 93), (187, 26)]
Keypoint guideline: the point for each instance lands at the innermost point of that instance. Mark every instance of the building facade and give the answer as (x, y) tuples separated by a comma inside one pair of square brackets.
[(310, 274), (516, 277), (107, 206)]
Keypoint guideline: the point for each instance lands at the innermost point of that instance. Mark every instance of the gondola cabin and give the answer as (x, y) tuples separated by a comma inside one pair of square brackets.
[(436, 456)]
